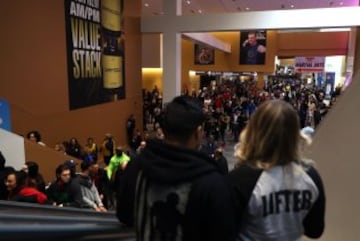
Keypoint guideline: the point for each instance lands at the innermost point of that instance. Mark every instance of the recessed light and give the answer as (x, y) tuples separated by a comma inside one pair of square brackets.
[(341, 3), (292, 6), (146, 4), (247, 9), (188, 2), (199, 11)]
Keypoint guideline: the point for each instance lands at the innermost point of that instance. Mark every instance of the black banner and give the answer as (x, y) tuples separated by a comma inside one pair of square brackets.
[(95, 51)]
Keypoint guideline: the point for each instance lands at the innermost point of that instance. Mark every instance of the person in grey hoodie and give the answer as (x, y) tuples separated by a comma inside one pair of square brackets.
[(83, 192)]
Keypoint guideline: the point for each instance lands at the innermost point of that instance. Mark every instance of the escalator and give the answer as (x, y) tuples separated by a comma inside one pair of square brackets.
[(25, 221)]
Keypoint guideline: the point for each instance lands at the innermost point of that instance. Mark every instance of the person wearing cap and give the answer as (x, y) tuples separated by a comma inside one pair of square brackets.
[(72, 165), (82, 191), (175, 190)]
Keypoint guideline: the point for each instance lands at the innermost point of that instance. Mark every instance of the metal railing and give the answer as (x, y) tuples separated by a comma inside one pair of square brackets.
[(25, 221)]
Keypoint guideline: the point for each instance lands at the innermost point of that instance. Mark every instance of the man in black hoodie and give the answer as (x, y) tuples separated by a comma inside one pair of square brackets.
[(175, 191)]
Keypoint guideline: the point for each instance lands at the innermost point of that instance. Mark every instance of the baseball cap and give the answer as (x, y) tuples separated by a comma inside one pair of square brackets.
[(70, 163), (308, 131)]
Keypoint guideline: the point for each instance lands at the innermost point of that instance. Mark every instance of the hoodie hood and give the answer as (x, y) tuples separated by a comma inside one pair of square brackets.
[(171, 164), (84, 180)]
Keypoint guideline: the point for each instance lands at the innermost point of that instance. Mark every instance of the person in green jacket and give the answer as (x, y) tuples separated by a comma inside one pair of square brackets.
[(119, 160)]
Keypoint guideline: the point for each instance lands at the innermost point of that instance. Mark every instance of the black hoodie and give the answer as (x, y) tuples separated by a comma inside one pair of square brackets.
[(176, 194)]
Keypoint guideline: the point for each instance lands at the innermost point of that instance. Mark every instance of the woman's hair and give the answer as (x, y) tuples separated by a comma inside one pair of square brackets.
[(33, 169), (20, 177), (271, 137), (2, 161)]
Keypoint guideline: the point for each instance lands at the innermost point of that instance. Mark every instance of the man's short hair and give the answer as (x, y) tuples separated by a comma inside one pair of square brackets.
[(181, 117), (86, 164)]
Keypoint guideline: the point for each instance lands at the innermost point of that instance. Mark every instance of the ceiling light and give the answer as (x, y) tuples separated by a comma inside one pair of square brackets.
[(341, 3), (292, 6), (188, 2), (146, 4), (247, 9), (199, 11)]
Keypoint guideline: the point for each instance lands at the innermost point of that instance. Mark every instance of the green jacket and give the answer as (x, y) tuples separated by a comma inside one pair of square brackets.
[(114, 164)]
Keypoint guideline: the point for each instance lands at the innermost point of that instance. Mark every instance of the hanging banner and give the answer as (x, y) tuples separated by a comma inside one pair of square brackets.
[(329, 84), (320, 80), (309, 64), (252, 47), (5, 121), (95, 51)]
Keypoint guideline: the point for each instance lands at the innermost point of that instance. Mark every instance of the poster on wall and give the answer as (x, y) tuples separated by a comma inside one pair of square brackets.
[(204, 55), (309, 64), (329, 84), (95, 51), (252, 47)]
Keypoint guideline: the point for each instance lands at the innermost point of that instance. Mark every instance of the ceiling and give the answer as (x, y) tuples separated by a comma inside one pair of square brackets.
[(154, 7)]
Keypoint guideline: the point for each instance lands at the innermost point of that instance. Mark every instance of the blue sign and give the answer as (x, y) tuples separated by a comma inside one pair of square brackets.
[(329, 84), (5, 122), (320, 80)]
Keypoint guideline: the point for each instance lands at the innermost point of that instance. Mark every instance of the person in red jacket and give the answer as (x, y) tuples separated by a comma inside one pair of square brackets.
[(18, 191)]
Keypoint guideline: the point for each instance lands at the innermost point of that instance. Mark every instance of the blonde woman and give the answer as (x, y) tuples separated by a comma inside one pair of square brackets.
[(278, 196)]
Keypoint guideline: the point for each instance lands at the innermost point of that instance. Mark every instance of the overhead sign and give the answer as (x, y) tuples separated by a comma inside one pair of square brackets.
[(309, 64)]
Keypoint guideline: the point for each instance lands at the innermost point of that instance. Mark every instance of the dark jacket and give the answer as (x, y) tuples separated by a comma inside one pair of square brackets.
[(180, 193), (58, 193)]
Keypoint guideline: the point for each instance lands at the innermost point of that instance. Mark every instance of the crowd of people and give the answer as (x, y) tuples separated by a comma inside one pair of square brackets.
[(90, 188), (88, 185), (177, 181), (173, 191)]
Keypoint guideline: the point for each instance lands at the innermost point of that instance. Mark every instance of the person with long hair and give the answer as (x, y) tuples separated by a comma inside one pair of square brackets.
[(278, 195), (18, 191)]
